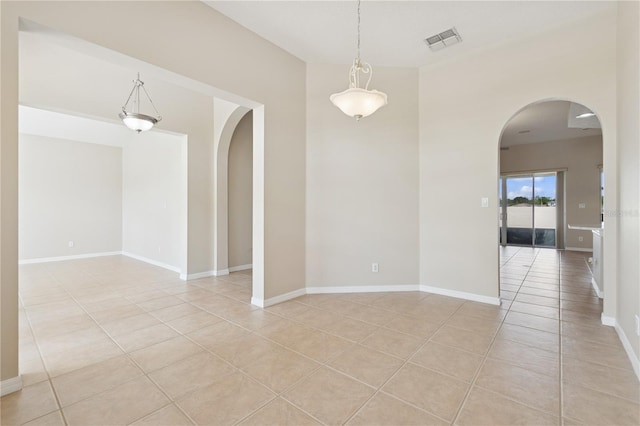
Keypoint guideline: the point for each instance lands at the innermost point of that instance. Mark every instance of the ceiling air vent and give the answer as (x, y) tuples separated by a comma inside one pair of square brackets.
[(444, 39)]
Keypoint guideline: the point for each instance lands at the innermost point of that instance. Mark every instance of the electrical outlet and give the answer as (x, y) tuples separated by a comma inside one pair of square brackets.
[(484, 202), (71, 244), (582, 205), (637, 325), (374, 267), (581, 238)]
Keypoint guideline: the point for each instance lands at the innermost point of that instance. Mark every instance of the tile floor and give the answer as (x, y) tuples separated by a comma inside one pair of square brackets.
[(115, 341)]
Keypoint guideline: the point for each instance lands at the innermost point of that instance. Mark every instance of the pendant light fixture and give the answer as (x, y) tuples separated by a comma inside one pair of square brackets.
[(358, 101), (134, 119)]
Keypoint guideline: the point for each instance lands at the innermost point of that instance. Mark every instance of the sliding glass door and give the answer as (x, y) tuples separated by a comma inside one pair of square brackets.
[(528, 216)]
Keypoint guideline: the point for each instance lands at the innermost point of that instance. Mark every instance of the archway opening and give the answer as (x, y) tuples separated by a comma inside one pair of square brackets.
[(550, 186)]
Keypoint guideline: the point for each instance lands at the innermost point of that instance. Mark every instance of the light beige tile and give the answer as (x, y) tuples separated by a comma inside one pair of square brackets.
[(431, 391), (533, 321), (384, 410), (279, 412), (367, 365), (280, 369), (598, 408), (484, 407), (614, 381), (530, 337), (611, 356), (445, 359), (27, 404), (528, 387), (244, 349), (117, 313), (393, 343), (128, 324), (371, 315), (318, 345), (539, 310), (552, 302), (119, 406), (63, 325), (71, 351), (166, 416), (413, 326), (481, 310), (165, 353), (175, 311), (190, 374), (218, 334), (93, 379), (238, 394), (601, 334), (329, 396), (477, 325), (160, 303), (144, 337), (192, 322), (462, 339), (51, 419), (526, 356), (350, 329)]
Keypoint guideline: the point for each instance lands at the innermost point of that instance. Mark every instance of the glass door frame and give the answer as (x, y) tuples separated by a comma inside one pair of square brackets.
[(559, 198)]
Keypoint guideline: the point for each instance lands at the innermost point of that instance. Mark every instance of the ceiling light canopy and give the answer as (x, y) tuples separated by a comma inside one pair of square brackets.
[(358, 101), (134, 119)]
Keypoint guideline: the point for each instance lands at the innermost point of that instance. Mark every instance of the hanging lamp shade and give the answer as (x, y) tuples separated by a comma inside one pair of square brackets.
[(135, 120), (358, 101)]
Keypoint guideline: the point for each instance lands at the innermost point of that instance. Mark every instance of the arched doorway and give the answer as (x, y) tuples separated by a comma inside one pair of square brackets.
[(550, 183)]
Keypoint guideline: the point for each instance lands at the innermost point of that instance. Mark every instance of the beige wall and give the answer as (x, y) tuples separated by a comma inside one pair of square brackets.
[(628, 173), (154, 198), (173, 38), (241, 193), (581, 158), (362, 182), (69, 191), (464, 105)]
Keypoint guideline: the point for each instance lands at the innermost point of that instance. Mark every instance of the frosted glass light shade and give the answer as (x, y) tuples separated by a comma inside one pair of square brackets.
[(138, 122), (357, 102)]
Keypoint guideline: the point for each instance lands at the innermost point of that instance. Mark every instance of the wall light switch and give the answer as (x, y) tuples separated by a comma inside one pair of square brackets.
[(484, 202), (71, 244)]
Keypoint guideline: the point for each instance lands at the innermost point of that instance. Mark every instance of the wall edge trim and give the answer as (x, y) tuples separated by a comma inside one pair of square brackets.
[(151, 261), (11, 385), (240, 267), (626, 344), (461, 295), (362, 289), (72, 257)]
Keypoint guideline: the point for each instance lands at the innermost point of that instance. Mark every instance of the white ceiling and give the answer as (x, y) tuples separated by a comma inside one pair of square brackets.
[(545, 122), (393, 31)]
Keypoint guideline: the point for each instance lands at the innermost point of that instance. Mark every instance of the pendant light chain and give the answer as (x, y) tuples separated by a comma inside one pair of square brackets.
[(358, 57)]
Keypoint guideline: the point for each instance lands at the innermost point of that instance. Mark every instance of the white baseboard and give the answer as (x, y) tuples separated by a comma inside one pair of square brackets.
[(151, 261), (10, 385), (596, 289), (461, 295), (240, 267), (606, 320), (73, 257), (263, 303), (586, 250), (205, 274), (362, 289), (635, 362), (197, 275)]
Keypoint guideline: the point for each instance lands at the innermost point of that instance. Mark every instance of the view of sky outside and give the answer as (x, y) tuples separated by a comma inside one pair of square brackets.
[(545, 186)]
